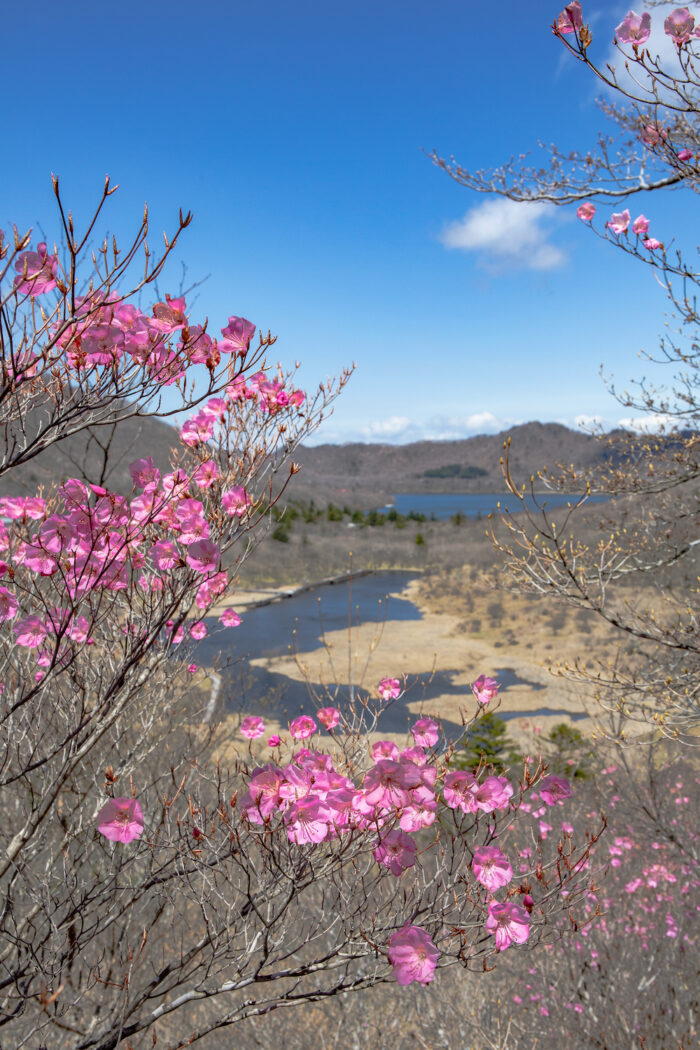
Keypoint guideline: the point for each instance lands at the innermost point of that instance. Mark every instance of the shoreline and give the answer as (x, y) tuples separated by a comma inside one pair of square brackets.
[(259, 597)]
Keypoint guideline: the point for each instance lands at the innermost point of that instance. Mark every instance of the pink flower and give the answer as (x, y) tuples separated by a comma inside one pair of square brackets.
[(571, 18), (36, 271), (652, 244), (509, 924), (384, 749), (685, 154), (396, 851), (634, 28), (640, 225), (458, 790), (237, 335), (30, 631), (491, 868), (144, 472), (484, 689), (198, 630), (651, 134), (252, 727), (303, 727), (308, 820), (203, 556), (8, 604), (493, 793), (236, 501), (412, 955), (274, 740), (425, 732), (619, 221), (586, 211), (165, 555), (679, 25), (328, 716), (192, 668), (230, 618), (553, 790), (120, 820), (389, 688), (206, 474)]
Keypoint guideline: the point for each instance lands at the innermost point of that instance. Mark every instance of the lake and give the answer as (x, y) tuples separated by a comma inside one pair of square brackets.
[(298, 623), (443, 505)]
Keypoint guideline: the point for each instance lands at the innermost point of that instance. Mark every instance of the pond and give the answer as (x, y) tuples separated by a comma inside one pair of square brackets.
[(443, 505), (297, 623)]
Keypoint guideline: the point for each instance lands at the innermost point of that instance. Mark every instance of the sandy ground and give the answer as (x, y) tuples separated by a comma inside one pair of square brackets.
[(443, 640)]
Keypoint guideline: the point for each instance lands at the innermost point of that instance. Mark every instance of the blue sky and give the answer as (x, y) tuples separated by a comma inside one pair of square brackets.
[(294, 132)]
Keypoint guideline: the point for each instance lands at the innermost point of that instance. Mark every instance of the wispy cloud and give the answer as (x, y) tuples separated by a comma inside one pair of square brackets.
[(400, 430), (505, 233), (654, 423)]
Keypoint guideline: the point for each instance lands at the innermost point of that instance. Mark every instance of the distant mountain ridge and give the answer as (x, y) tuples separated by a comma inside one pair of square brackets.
[(351, 473), (469, 465)]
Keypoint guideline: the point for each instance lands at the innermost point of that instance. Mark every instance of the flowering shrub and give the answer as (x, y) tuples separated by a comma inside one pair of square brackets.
[(148, 888)]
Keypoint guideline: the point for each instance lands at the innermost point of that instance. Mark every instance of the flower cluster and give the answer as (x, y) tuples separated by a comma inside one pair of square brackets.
[(400, 795)]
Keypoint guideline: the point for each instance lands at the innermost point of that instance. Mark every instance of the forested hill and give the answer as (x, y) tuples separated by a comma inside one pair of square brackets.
[(351, 472), (471, 465)]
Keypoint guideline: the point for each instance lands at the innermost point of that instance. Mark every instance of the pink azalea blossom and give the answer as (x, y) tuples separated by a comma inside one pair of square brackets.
[(206, 474), (586, 211), (274, 740), (237, 335), (634, 28), (230, 618), (652, 244), (165, 555), (651, 134), (508, 923), (679, 25), (192, 668), (553, 790), (484, 689), (236, 501), (144, 472), (384, 749), (425, 732), (396, 851), (571, 18), (491, 868), (303, 727), (389, 688), (412, 955), (389, 784), (640, 225), (8, 604), (328, 716), (120, 820), (458, 789), (308, 820), (252, 727), (198, 630), (30, 631), (36, 271), (685, 154), (493, 793), (203, 556), (619, 221)]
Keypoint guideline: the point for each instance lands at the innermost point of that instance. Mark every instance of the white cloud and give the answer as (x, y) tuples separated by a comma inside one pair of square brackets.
[(395, 428), (504, 232), (654, 423), (586, 422)]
